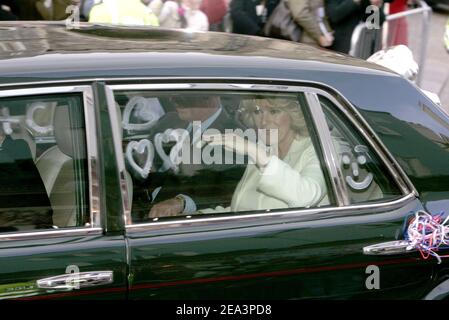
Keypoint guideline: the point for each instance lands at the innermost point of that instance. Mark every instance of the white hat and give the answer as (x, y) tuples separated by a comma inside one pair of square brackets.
[(399, 59)]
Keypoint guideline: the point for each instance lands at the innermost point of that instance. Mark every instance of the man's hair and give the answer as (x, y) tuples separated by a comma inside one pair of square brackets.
[(198, 100)]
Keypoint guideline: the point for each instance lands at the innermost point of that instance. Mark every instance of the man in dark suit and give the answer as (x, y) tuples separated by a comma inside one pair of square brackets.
[(245, 16), (345, 15), (193, 184)]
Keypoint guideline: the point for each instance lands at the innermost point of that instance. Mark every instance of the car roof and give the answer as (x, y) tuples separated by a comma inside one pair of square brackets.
[(36, 51)]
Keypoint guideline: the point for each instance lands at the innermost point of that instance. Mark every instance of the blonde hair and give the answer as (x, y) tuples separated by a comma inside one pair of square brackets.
[(289, 105)]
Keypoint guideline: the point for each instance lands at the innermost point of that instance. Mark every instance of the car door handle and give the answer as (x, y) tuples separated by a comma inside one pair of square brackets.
[(389, 248), (76, 280)]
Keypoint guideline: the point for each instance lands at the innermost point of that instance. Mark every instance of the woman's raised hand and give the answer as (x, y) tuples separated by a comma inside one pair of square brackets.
[(235, 143)]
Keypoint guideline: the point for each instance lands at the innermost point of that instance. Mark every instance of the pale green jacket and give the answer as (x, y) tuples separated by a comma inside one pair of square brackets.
[(297, 181)]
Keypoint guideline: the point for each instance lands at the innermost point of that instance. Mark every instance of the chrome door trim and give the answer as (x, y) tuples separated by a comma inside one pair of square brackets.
[(389, 248), (42, 90), (211, 86), (116, 128), (92, 153), (56, 233), (198, 220), (157, 80), (70, 281), (329, 151), (91, 145)]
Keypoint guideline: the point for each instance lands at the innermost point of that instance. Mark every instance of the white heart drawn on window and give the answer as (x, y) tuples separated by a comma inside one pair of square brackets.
[(171, 161), (148, 110), (140, 147)]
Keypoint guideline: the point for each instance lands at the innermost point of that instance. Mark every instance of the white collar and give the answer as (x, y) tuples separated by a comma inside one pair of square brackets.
[(212, 118)]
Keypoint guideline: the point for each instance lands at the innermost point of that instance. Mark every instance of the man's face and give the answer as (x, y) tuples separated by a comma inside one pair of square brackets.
[(196, 109), (270, 117)]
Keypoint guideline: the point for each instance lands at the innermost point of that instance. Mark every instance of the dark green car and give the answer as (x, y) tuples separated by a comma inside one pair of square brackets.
[(164, 164)]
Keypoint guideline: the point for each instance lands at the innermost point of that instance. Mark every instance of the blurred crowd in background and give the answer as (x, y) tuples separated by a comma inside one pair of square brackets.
[(325, 23)]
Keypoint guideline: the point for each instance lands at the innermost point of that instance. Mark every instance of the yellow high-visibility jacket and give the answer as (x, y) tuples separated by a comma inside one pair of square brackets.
[(123, 12)]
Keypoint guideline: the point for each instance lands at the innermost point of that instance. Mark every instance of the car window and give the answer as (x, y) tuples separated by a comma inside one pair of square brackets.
[(206, 153), (43, 167), (366, 177)]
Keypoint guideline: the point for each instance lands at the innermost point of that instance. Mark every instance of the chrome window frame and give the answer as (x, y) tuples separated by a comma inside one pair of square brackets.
[(94, 227), (338, 212), (329, 151), (311, 92), (120, 159)]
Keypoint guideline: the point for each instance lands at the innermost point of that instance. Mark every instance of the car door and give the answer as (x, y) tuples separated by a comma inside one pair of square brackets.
[(241, 241), (58, 233)]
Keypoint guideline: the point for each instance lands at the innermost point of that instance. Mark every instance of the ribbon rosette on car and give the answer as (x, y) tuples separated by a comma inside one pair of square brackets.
[(428, 234)]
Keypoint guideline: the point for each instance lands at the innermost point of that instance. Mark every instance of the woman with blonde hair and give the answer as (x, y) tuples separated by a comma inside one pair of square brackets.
[(285, 171)]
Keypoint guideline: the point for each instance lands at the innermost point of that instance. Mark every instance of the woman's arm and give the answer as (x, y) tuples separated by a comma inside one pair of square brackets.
[(297, 189)]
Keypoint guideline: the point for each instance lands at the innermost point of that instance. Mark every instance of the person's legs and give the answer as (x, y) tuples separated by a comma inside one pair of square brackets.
[(25, 10), (216, 27)]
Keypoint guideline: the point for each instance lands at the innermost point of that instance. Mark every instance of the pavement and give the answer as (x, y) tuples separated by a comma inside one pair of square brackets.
[(436, 67)]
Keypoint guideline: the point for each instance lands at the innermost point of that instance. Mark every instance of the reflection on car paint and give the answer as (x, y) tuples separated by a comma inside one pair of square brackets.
[(18, 290)]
